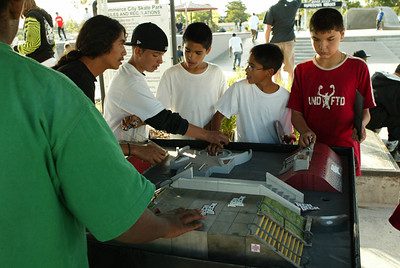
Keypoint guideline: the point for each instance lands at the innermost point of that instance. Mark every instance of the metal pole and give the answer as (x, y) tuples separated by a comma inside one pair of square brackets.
[(173, 31)]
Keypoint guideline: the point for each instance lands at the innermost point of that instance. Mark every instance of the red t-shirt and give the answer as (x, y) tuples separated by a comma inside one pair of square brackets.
[(59, 21), (326, 99)]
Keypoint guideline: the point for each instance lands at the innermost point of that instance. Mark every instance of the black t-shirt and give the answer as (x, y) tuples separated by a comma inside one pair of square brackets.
[(81, 76)]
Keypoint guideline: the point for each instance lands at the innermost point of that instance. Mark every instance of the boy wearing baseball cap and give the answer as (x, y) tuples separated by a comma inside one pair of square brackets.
[(130, 96)]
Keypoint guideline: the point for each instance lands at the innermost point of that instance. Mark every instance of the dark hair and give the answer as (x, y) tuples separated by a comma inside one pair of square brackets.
[(4, 4), (397, 69), (326, 19), (234, 34), (95, 38), (268, 55), (198, 32)]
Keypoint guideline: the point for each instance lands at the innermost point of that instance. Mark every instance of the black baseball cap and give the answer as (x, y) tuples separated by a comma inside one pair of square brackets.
[(149, 36), (361, 54)]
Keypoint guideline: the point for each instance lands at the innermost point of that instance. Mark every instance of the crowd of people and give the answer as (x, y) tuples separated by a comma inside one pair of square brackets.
[(64, 167)]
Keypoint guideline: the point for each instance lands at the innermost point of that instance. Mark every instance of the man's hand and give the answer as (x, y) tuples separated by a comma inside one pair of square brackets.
[(150, 152), (363, 134), (181, 221), (307, 138)]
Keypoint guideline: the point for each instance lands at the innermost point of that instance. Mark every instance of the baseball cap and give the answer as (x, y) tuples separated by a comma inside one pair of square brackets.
[(149, 36), (361, 54)]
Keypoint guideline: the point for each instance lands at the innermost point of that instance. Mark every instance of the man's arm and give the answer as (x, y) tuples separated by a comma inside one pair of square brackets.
[(171, 224), (149, 152), (268, 33)]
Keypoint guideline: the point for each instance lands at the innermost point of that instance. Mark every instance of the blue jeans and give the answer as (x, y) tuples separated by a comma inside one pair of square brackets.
[(238, 58)]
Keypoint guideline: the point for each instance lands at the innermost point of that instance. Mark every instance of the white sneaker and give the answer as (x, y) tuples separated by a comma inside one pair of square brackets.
[(392, 145)]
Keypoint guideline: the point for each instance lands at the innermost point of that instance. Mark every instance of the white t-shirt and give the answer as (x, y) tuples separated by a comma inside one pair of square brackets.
[(129, 94), (193, 96), (235, 43), (253, 22), (256, 112)]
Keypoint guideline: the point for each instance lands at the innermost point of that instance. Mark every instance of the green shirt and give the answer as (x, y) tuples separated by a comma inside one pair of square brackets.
[(61, 170)]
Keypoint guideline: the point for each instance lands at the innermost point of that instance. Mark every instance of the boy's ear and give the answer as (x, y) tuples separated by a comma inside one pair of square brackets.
[(341, 35), (270, 71), (208, 50), (137, 51)]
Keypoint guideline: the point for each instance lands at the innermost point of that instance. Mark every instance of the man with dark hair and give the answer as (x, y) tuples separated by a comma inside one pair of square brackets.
[(386, 89), (62, 171), (280, 22)]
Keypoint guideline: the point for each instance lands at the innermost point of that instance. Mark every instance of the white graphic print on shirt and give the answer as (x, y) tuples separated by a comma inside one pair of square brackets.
[(326, 99)]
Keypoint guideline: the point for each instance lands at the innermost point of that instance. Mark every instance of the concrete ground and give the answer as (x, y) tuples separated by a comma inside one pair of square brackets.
[(380, 242)]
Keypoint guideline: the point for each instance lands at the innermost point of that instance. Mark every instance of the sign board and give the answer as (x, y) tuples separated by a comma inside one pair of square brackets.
[(132, 13), (321, 3)]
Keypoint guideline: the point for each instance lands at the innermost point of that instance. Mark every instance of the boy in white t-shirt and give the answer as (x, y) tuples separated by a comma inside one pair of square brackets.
[(193, 87), (257, 101), (235, 48)]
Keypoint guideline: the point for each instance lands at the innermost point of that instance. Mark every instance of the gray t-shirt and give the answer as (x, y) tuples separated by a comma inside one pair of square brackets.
[(281, 17)]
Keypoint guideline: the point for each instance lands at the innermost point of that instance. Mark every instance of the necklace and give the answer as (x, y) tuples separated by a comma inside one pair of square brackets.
[(328, 66)]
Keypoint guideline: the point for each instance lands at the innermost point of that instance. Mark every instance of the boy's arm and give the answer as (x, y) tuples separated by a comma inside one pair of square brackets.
[(365, 121), (215, 123), (307, 136)]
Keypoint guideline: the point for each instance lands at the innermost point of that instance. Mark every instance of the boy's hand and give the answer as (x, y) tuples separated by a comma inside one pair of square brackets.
[(307, 138), (289, 139), (363, 134), (214, 149), (217, 137), (131, 121)]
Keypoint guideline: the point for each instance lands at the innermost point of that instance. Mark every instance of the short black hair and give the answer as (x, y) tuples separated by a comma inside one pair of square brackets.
[(397, 69), (325, 20), (268, 55), (198, 32), (4, 4)]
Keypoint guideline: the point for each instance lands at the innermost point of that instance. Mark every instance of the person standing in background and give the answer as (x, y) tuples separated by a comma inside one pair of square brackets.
[(38, 35), (60, 26), (379, 19), (253, 24), (280, 22), (235, 47)]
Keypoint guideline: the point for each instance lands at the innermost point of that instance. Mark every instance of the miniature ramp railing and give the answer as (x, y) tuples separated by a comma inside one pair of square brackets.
[(287, 245)]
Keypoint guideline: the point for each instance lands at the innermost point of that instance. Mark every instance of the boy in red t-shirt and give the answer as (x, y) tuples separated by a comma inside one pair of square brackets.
[(60, 26), (324, 89)]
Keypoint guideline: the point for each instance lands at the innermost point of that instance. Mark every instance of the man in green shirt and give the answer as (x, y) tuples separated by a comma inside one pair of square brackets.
[(62, 170)]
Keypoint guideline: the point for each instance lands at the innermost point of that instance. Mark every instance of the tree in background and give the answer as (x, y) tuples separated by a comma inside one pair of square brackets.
[(395, 4), (210, 18), (351, 4), (236, 11)]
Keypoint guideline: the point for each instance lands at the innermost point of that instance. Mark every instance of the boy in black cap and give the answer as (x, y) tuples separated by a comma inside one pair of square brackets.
[(129, 94)]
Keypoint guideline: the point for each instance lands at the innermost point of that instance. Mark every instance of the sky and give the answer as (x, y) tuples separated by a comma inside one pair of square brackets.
[(73, 9)]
